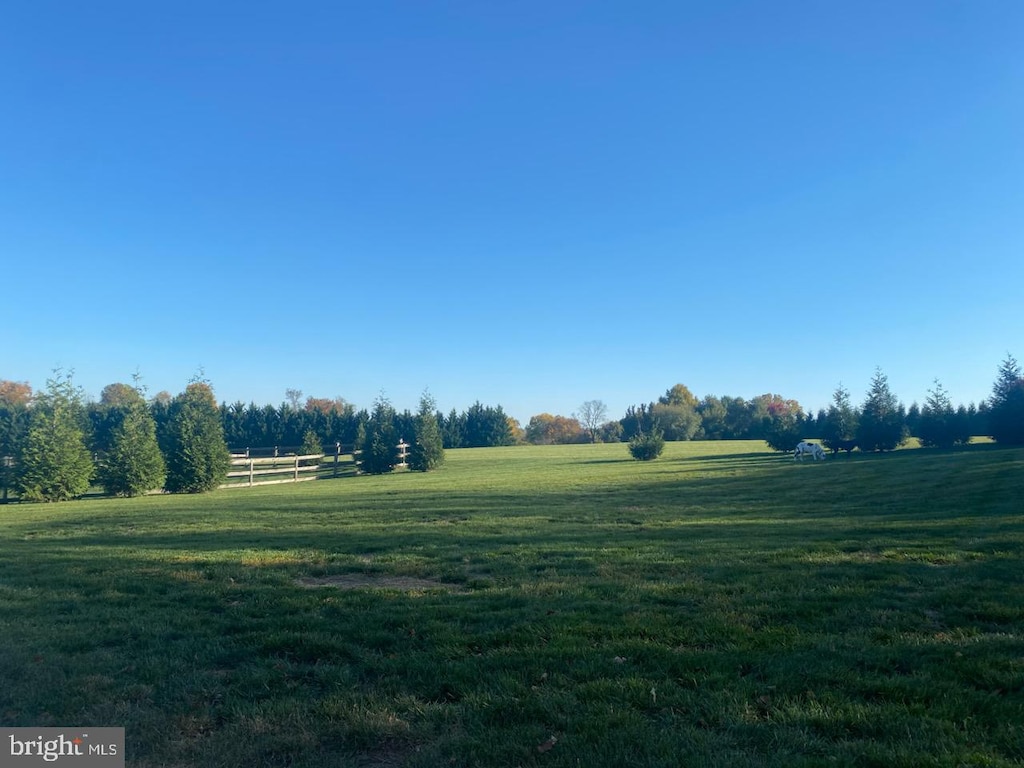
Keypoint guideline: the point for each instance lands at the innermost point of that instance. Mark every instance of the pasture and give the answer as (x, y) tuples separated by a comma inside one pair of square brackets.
[(538, 606)]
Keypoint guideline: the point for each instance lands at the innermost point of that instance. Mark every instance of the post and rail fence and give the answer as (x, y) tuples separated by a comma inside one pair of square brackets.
[(279, 465)]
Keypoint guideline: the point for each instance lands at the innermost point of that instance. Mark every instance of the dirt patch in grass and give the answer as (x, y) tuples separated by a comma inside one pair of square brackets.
[(372, 581)]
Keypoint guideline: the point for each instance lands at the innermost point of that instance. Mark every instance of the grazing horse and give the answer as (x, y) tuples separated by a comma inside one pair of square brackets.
[(842, 445), (804, 448)]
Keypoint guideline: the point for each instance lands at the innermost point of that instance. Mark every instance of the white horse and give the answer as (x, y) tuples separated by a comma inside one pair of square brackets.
[(804, 448)]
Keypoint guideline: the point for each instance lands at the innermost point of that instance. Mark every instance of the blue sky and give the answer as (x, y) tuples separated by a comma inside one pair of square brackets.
[(529, 204)]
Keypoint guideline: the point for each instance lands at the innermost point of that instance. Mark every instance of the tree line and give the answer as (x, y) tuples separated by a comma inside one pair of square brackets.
[(54, 444)]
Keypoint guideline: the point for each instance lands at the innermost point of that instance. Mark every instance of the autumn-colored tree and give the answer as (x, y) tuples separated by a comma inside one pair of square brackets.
[(678, 395), (326, 405), (545, 429), (15, 393)]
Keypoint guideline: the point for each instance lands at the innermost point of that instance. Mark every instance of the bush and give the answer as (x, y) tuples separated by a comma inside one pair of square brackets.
[(647, 447)]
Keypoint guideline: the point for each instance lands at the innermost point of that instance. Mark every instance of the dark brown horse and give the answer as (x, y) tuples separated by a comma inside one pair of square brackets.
[(842, 445)]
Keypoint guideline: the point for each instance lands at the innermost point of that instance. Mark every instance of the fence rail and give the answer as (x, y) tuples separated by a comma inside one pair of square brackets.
[(293, 467)]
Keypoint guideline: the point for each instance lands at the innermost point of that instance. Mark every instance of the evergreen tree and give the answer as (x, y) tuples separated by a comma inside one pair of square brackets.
[(647, 446), (784, 431), (311, 446), (380, 442), (54, 464), (940, 425), (197, 456), (486, 426), (14, 417), (428, 447), (132, 463), (881, 426), (840, 422), (1006, 406)]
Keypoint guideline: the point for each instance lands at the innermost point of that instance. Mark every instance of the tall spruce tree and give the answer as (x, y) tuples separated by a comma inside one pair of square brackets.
[(197, 456), (1006, 406), (54, 463), (132, 462), (840, 422), (427, 451), (380, 441), (882, 423), (940, 425)]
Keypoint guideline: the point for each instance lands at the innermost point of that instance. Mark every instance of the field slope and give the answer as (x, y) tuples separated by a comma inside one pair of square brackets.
[(538, 606)]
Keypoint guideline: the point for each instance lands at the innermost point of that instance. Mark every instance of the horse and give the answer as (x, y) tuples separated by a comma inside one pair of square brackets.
[(804, 448), (842, 445)]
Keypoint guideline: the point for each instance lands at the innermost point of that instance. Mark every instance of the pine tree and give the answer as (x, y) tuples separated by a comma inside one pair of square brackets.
[(311, 446), (132, 461), (55, 464), (840, 423), (940, 425), (1006, 406), (882, 424), (380, 441), (427, 451), (197, 456)]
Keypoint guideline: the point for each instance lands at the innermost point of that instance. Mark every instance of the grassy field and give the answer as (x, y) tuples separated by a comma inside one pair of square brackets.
[(538, 606)]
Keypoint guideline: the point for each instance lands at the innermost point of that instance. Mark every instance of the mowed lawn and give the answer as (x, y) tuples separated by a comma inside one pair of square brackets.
[(538, 606)]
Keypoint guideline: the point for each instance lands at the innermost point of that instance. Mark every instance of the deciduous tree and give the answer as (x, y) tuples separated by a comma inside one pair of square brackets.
[(593, 413), (546, 429)]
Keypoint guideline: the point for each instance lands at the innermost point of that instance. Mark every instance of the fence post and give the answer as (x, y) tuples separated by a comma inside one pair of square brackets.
[(296, 468), (251, 462), (337, 457)]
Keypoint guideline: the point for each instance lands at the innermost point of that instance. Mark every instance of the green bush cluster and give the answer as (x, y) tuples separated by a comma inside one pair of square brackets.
[(647, 446)]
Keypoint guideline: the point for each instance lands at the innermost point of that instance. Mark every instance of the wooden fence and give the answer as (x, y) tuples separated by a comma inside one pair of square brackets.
[(286, 469)]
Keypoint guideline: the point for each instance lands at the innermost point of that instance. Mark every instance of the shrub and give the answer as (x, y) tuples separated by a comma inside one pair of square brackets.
[(647, 447)]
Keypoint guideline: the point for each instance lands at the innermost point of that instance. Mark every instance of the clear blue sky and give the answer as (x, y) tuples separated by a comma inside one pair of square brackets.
[(530, 204)]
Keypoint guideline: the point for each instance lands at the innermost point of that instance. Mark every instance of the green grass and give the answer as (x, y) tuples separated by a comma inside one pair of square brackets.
[(722, 606)]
